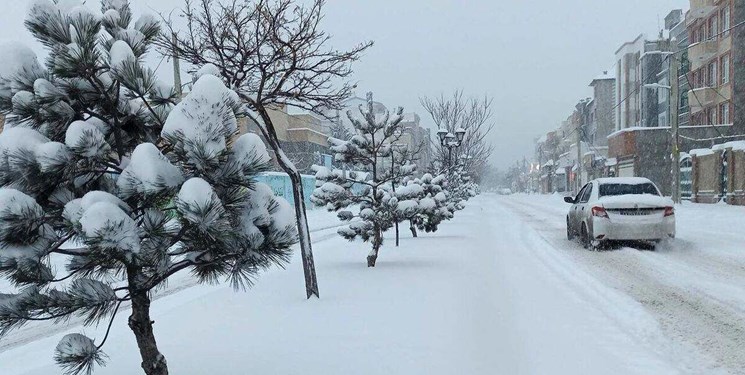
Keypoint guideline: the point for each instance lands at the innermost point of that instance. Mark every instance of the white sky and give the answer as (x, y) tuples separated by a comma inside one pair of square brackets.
[(534, 57)]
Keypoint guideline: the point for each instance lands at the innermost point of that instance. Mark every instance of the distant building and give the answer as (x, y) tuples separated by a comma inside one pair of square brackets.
[(638, 63), (302, 137), (602, 115), (417, 138)]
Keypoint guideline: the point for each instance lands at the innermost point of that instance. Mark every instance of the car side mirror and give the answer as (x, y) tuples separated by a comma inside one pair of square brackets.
[(569, 200)]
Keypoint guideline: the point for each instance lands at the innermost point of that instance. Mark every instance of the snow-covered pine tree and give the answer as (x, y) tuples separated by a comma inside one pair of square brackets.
[(285, 60), (460, 186), (369, 150), (435, 205), (108, 187)]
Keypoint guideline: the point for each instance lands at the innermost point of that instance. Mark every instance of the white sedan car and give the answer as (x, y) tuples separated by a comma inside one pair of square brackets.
[(620, 209)]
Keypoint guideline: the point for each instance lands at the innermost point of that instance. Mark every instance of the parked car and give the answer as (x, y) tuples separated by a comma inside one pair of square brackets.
[(620, 209)]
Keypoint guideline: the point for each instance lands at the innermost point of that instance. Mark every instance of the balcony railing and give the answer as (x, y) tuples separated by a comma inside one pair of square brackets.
[(700, 53), (701, 98)]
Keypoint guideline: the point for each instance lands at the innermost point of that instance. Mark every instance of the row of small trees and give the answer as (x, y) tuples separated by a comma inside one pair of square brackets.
[(111, 182), (381, 186)]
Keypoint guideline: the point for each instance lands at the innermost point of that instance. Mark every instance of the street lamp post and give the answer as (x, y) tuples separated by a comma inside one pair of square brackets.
[(451, 141)]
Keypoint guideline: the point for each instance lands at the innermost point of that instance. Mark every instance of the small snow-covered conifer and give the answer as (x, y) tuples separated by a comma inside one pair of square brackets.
[(370, 189), (110, 184)]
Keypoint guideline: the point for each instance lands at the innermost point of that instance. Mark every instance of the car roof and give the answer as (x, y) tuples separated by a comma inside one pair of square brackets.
[(623, 180)]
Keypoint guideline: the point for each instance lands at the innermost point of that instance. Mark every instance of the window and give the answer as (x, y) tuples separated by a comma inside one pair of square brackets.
[(712, 78), (724, 113), (712, 28), (725, 69), (724, 16), (587, 191), (624, 189)]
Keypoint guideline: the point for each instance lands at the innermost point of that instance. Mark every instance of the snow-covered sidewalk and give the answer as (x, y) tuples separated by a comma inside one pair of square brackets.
[(488, 294)]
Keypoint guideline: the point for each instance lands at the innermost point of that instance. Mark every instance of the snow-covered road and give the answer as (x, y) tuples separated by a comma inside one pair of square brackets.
[(693, 287), (497, 291)]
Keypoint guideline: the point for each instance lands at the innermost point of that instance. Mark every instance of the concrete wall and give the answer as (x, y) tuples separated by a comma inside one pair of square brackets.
[(736, 189), (707, 175), (707, 178)]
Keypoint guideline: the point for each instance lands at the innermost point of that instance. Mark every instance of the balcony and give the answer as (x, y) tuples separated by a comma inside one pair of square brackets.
[(701, 98), (700, 9), (700, 53)]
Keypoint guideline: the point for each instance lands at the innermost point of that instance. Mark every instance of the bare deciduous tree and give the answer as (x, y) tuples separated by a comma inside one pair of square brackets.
[(471, 114), (272, 53)]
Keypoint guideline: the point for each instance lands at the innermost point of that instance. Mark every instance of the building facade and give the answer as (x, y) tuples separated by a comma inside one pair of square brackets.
[(602, 121), (714, 49), (639, 63)]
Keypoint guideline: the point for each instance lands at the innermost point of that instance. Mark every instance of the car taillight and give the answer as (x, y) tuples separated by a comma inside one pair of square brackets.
[(599, 212), (669, 211)]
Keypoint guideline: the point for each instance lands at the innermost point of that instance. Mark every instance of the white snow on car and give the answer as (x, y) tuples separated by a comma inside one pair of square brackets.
[(620, 209)]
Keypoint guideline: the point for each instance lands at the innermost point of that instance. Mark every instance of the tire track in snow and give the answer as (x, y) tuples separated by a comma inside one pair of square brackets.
[(690, 316)]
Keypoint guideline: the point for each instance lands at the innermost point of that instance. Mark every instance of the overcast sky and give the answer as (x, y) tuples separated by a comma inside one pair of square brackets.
[(534, 57)]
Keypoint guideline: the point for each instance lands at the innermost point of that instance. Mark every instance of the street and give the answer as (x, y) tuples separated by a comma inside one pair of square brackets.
[(500, 291)]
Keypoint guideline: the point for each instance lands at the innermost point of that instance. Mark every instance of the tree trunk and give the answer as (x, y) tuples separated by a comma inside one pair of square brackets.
[(377, 242), (413, 228), (397, 234), (309, 268), (153, 362)]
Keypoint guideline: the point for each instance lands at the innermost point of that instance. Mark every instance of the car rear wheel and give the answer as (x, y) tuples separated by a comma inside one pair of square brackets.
[(588, 242), (570, 232), (584, 236)]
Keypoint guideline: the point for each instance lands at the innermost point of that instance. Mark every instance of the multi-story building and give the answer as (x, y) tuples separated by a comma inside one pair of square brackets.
[(417, 139), (638, 63), (678, 31), (602, 115), (714, 49), (302, 137), (675, 27)]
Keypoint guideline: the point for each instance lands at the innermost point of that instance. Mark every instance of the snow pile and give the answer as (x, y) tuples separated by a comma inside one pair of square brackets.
[(148, 172), (699, 152), (199, 204), (96, 196), (13, 204), (146, 21), (51, 155), (264, 210), (46, 91), (407, 207), (200, 123), (248, 149), (120, 54), (206, 69), (111, 17), (85, 139), (631, 200), (410, 190), (14, 59), (106, 226)]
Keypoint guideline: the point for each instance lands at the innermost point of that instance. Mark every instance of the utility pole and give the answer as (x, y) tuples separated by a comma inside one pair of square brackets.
[(176, 70), (674, 106)]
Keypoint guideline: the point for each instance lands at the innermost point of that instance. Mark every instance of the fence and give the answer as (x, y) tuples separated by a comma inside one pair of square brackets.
[(718, 174), (282, 186)]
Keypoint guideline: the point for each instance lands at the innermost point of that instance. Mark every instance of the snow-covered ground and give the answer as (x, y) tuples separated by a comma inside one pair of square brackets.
[(498, 290)]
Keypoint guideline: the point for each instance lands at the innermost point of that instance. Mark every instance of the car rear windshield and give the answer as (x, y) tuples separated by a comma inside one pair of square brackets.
[(623, 189)]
